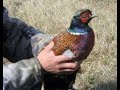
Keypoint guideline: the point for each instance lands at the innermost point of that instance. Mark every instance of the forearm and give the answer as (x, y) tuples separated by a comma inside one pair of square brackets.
[(22, 75)]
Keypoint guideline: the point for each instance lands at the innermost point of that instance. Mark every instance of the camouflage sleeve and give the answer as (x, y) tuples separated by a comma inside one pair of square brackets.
[(21, 75), (38, 42)]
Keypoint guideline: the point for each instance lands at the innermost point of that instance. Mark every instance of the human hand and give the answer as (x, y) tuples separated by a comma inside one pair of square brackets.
[(56, 64)]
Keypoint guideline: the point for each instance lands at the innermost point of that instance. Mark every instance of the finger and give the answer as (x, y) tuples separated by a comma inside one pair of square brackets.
[(77, 64), (63, 58), (49, 46), (67, 70), (68, 66)]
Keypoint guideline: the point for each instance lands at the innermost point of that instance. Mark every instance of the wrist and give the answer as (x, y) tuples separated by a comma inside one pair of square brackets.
[(41, 69)]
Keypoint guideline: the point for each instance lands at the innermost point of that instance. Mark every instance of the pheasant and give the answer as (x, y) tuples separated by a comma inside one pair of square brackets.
[(78, 40)]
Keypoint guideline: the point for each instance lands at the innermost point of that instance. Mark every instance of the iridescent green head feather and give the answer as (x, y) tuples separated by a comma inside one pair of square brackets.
[(79, 12)]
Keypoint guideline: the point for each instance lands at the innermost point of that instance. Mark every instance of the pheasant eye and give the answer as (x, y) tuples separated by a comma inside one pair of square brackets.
[(87, 14), (83, 16)]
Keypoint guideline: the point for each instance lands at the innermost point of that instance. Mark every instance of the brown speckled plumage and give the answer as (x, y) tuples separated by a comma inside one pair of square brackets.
[(62, 42)]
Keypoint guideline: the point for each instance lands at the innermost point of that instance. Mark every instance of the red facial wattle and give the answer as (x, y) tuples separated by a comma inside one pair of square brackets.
[(85, 17), (84, 20)]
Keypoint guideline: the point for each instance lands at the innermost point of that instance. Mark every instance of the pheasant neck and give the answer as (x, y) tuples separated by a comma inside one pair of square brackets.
[(78, 31)]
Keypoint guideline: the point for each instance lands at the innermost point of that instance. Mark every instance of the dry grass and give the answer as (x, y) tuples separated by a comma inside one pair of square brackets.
[(99, 71)]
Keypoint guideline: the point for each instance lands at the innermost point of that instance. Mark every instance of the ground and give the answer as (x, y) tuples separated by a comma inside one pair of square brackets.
[(99, 70)]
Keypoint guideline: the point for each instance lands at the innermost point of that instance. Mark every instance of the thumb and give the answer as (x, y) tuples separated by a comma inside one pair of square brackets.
[(49, 46)]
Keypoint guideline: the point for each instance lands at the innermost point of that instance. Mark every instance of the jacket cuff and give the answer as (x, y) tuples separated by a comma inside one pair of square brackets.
[(41, 70), (38, 63), (38, 42)]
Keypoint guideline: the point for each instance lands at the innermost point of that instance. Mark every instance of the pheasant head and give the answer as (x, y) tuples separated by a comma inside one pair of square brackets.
[(83, 16)]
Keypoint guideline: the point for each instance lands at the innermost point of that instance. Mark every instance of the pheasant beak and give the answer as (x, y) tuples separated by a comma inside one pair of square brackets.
[(93, 17)]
